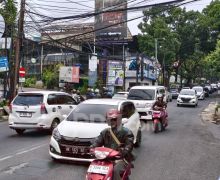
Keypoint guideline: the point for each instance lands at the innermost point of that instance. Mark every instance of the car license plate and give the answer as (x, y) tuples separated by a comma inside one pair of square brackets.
[(25, 114), (98, 169), (76, 149)]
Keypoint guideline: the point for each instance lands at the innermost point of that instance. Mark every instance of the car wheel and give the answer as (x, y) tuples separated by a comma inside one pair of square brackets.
[(54, 124), (138, 140), (177, 105), (20, 131)]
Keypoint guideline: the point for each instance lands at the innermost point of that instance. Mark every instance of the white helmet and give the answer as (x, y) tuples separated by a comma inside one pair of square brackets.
[(96, 90)]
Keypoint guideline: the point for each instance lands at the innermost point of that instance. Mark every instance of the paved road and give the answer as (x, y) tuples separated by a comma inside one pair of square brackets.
[(187, 150)]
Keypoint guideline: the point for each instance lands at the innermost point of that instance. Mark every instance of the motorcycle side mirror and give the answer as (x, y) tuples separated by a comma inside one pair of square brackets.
[(124, 120)]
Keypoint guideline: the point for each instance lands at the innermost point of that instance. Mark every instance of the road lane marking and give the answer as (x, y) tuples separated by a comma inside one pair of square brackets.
[(13, 168), (22, 152), (7, 157)]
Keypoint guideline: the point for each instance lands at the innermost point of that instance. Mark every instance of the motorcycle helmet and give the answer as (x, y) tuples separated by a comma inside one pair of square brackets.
[(114, 115), (78, 92), (160, 97), (96, 90), (74, 91)]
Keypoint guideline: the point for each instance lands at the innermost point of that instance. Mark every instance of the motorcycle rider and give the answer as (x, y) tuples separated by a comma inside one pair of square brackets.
[(80, 97), (160, 105), (125, 137)]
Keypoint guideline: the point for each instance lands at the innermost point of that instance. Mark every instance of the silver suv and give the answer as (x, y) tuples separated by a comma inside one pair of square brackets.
[(39, 110)]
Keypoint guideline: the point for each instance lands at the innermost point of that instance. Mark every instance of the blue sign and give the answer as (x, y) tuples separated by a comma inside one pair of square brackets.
[(92, 78), (3, 64)]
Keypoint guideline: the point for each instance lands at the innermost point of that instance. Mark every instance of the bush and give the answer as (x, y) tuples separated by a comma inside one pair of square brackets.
[(30, 82)]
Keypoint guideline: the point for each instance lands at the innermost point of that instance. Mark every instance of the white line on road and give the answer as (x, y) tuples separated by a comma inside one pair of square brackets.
[(7, 157), (23, 152)]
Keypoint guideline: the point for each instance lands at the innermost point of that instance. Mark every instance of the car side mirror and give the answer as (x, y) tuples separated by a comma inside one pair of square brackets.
[(124, 120)]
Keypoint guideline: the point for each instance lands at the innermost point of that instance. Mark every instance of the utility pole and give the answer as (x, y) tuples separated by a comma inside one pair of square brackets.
[(18, 46)]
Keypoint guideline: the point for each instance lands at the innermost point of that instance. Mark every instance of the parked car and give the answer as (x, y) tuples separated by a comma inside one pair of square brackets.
[(199, 92), (174, 93), (187, 97), (144, 97), (120, 95), (73, 136), (39, 110)]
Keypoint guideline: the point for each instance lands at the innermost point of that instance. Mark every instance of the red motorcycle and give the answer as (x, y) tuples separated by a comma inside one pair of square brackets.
[(102, 167), (160, 119)]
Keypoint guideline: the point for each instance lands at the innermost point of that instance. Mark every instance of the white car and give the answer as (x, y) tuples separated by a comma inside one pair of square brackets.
[(187, 97), (144, 97), (39, 110), (199, 92), (73, 136), (120, 95)]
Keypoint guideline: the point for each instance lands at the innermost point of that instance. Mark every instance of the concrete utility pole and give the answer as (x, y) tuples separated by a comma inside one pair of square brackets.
[(18, 46)]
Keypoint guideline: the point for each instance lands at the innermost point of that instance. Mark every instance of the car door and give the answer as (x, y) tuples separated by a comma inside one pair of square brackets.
[(65, 103), (133, 119)]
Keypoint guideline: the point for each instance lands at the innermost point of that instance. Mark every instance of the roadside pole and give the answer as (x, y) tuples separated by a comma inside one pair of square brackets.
[(18, 47)]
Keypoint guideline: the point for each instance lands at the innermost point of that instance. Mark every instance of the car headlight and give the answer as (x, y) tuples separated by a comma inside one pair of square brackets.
[(56, 135)]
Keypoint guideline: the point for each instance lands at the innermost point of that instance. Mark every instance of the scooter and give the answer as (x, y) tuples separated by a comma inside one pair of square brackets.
[(159, 121), (102, 167)]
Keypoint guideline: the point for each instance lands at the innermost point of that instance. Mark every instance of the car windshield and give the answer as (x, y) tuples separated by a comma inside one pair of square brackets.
[(141, 94), (90, 113), (187, 92), (28, 99), (198, 89)]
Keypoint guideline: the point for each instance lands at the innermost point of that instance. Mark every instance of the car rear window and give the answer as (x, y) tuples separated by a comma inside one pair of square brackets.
[(141, 94), (90, 113), (28, 99)]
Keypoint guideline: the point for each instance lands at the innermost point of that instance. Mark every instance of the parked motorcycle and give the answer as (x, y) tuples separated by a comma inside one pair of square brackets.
[(102, 166), (160, 120)]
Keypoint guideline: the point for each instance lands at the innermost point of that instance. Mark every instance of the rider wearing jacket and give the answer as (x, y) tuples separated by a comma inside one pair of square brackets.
[(125, 137), (160, 105)]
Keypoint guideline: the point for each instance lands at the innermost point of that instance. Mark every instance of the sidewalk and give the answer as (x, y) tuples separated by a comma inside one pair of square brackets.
[(209, 119)]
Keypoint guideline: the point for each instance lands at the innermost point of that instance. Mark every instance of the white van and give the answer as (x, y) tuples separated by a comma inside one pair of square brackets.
[(39, 110), (144, 97)]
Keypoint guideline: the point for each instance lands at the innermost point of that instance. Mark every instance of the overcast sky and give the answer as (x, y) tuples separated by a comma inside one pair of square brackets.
[(61, 8)]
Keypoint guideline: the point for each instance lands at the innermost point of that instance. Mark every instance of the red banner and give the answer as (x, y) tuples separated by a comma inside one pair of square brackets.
[(75, 74)]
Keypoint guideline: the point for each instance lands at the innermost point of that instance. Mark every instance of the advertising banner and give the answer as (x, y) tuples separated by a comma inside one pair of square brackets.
[(93, 61), (69, 74), (111, 20), (115, 73), (75, 74)]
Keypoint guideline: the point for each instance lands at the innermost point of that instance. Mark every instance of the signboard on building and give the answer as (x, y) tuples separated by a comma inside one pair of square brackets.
[(115, 73), (93, 70), (3, 64), (110, 24), (2, 43), (69, 74)]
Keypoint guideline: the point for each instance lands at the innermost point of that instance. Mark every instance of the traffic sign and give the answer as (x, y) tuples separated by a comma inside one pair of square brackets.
[(22, 72)]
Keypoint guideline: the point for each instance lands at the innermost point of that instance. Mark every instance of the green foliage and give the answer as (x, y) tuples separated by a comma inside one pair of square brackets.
[(51, 76), (83, 89), (30, 82), (9, 12), (3, 103), (187, 36)]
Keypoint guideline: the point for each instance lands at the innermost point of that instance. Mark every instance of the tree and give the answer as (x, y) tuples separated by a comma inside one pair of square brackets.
[(154, 28), (213, 63)]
